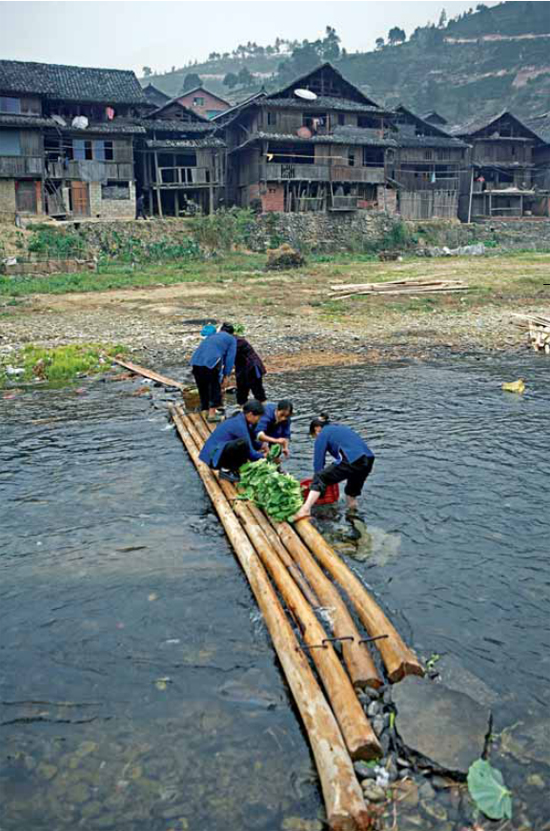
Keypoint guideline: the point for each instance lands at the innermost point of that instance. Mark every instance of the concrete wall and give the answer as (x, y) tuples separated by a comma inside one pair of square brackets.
[(7, 198), (111, 208)]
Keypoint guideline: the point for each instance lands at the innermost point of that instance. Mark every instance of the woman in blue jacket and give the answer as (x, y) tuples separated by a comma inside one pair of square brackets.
[(353, 462), (212, 363), (274, 425), (233, 442)]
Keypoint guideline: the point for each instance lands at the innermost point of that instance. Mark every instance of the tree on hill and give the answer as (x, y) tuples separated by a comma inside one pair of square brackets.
[(380, 43), (442, 19), (147, 71), (330, 45), (191, 81), (231, 80), (396, 35), (245, 77)]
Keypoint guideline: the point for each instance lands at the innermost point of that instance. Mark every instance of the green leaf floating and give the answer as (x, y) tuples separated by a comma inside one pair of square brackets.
[(488, 790), (278, 494)]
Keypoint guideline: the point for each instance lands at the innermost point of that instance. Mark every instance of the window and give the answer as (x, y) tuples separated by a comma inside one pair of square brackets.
[(10, 143), (198, 102), (10, 105), (341, 119), (103, 151), (373, 157), (351, 158), (428, 154), (82, 150), (271, 119), (115, 190)]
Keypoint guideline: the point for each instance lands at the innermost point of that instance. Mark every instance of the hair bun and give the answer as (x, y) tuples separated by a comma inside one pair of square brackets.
[(324, 417)]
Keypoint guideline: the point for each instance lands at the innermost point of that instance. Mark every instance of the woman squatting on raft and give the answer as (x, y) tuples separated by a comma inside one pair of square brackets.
[(274, 425), (233, 442), (354, 461)]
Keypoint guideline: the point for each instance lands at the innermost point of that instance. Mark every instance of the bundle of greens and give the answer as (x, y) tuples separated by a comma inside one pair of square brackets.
[(278, 494)]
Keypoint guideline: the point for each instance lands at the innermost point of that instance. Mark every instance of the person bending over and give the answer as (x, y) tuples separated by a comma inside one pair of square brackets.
[(212, 363), (249, 370), (274, 425), (233, 442), (354, 461)]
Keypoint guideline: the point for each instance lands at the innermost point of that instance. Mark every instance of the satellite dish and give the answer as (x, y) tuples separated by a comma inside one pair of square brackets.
[(307, 94)]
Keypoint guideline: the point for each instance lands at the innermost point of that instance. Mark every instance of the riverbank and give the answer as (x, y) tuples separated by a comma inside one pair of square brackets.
[(156, 312)]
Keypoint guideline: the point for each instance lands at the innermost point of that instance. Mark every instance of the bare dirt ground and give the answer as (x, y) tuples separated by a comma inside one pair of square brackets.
[(292, 320)]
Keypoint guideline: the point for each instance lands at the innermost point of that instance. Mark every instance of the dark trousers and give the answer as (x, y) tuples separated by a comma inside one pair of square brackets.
[(209, 386), (245, 385), (355, 474), (234, 454)]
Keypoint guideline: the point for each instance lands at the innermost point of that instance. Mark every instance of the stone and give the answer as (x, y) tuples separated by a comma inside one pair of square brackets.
[(456, 677), (426, 791), (363, 770), (78, 793), (536, 781), (434, 810), (407, 792), (372, 791), (446, 727), (378, 724), (373, 709), (528, 741), (46, 771)]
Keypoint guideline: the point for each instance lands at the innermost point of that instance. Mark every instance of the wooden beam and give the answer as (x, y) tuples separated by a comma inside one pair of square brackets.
[(345, 806), (148, 373)]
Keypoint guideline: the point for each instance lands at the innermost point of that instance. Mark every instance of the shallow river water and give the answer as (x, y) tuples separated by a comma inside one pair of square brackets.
[(138, 687)]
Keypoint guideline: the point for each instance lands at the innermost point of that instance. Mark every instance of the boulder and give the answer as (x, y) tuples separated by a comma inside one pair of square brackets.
[(445, 729)]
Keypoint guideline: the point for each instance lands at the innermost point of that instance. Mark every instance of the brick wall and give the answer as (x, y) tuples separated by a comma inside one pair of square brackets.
[(7, 198), (111, 208), (211, 102), (273, 198)]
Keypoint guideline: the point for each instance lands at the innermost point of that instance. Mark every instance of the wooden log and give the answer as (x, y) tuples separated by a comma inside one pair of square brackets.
[(359, 736), (398, 659), (343, 798), (399, 291), (204, 430), (388, 285), (149, 373), (357, 658)]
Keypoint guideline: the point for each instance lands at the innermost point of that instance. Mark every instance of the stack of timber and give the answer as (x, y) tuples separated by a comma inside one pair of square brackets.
[(397, 287), (287, 566), (539, 331)]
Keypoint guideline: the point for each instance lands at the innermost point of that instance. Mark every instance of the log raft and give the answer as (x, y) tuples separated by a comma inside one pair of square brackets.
[(344, 802)]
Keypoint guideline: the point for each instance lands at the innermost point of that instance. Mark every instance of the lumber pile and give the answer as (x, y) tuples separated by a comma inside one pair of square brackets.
[(394, 287), (538, 330), (149, 373), (287, 568)]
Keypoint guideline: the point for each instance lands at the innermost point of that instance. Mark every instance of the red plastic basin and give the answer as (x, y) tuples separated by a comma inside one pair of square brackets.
[(332, 493)]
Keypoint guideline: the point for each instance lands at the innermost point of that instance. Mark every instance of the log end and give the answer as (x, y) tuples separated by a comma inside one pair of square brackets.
[(366, 750), (360, 821), (408, 667)]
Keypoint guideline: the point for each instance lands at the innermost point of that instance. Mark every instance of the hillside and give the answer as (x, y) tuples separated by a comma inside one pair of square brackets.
[(481, 62)]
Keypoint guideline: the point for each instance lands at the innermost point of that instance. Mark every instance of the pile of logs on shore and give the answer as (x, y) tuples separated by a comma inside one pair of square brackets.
[(538, 329), (293, 572), (397, 287)]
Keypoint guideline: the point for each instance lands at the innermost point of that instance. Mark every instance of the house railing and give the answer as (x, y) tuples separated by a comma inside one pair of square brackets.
[(186, 176), (411, 181), (13, 166), (343, 203), (88, 170), (273, 172), (345, 173)]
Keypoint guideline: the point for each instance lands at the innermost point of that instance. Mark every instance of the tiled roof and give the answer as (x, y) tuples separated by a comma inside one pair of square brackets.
[(303, 80), (70, 83), (159, 144), (25, 121), (429, 141), (324, 102), (335, 138), (175, 125), (540, 124), (470, 128), (195, 115), (114, 127)]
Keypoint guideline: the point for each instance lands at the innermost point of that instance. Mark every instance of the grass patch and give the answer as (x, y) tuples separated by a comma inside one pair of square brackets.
[(59, 364)]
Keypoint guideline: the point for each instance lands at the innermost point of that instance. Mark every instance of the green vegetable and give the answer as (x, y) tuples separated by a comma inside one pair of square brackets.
[(278, 494), (274, 452), (488, 791)]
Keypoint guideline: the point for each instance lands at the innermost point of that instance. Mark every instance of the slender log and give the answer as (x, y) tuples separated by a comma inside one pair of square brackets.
[(203, 429), (359, 736), (357, 658), (398, 659), (344, 802), (149, 373)]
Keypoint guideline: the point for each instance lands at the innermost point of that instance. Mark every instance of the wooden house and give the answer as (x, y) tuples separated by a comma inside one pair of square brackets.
[(203, 102), (540, 125), (181, 162), (155, 96), (318, 144), (426, 168), (66, 140), (502, 183)]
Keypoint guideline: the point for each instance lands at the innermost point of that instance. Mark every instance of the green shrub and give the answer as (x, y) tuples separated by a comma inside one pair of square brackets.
[(224, 230)]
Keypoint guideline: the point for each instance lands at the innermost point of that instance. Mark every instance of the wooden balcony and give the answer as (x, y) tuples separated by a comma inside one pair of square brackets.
[(185, 177), (410, 181), (13, 167), (89, 171), (345, 173), (286, 172)]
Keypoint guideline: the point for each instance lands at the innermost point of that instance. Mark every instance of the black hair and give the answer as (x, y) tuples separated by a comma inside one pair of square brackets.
[(254, 407), (321, 421), (227, 327), (286, 406)]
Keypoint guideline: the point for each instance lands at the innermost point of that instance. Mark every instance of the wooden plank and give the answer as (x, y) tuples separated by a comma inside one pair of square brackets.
[(149, 373), (345, 806)]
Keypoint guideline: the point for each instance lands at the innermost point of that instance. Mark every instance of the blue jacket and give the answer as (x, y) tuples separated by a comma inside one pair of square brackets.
[(221, 347), (342, 443), (268, 425), (233, 428)]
